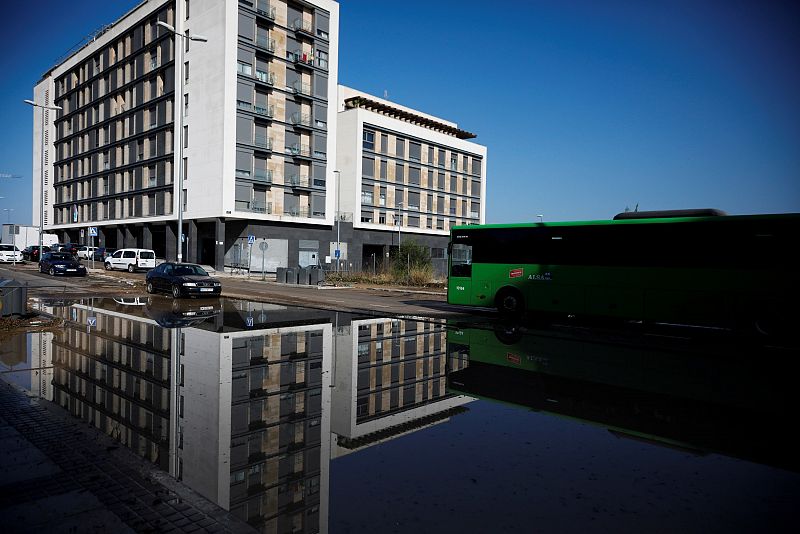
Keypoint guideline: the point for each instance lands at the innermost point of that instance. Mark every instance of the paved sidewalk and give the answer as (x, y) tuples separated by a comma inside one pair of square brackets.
[(57, 474)]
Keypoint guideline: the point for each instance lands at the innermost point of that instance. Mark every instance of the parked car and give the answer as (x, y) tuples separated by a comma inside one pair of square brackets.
[(10, 253), (72, 248), (86, 252), (182, 280), (131, 259), (101, 253), (61, 263), (31, 253)]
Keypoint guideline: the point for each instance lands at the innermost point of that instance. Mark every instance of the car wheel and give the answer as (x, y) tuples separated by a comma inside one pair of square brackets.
[(108, 266), (176, 291), (131, 268), (52, 271), (150, 288)]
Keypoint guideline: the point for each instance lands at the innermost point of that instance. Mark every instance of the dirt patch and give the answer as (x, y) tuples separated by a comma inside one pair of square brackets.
[(11, 326)]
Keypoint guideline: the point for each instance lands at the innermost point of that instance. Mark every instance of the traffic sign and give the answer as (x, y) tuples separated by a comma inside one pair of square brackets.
[(251, 239), (337, 253), (263, 245), (183, 238), (92, 231), (91, 321), (82, 231)]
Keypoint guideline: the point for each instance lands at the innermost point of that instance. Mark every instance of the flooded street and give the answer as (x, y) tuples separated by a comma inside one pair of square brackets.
[(305, 420)]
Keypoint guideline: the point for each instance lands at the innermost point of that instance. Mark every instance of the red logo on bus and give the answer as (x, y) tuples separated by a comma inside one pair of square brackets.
[(515, 273), (513, 358)]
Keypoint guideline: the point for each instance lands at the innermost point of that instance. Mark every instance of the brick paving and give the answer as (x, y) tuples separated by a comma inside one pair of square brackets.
[(57, 474)]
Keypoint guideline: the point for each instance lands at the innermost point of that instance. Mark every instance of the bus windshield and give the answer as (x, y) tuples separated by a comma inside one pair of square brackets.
[(461, 260)]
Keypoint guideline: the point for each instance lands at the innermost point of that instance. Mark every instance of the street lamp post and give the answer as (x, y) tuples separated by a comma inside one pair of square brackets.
[(41, 191), (179, 106), (13, 236), (338, 215)]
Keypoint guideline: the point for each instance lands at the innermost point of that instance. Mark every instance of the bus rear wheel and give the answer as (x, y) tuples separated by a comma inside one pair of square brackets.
[(509, 302)]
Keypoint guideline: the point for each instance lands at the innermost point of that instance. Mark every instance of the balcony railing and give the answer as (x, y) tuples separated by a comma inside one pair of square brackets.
[(262, 141), (302, 58), (261, 207), (265, 77), (267, 111), (263, 8), (300, 25), (301, 119), (473, 214), (300, 88), (297, 180), (265, 43), (300, 150), (296, 212), (263, 175)]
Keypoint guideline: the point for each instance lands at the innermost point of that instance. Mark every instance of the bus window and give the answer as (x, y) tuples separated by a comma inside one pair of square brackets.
[(461, 260)]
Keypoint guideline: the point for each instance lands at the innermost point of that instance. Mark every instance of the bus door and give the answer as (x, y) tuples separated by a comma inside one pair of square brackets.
[(459, 290)]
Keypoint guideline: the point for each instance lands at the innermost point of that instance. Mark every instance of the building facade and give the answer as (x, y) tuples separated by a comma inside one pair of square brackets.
[(233, 119)]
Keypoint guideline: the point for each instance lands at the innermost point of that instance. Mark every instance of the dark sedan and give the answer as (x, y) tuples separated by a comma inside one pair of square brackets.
[(61, 263), (182, 280), (31, 253)]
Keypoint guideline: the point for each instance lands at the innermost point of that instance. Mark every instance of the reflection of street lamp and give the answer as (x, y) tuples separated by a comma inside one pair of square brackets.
[(541, 218), (13, 236), (179, 106), (41, 192)]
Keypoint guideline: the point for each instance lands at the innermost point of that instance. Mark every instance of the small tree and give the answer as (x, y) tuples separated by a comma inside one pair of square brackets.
[(412, 263)]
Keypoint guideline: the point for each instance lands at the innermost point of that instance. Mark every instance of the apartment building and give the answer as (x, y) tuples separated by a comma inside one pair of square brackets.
[(243, 116), (405, 173)]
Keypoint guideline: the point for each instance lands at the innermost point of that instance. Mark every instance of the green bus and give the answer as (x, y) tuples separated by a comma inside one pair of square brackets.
[(696, 267)]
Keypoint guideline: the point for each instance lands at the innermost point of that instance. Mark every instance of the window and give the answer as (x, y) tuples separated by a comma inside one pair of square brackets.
[(398, 197), (383, 169), (440, 178), (413, 200), (186, 105), (414, 151), (430, 155), (186, 41), (441, 158), (185, 136), (453, 162), (382, 198), (476, 189), (401, 147), (476, 166), (413, 220), (366, 194), (186, 72), (322, 59), (153, 117), (186, 9), (151, 176), (398, 173), (384, 144), (244, 68), (465, 162), (413, 175), (367, 167), (369, 140)]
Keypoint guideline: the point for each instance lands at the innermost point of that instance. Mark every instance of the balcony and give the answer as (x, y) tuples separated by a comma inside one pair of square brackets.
[(265, 77), (301, 120), (305, 59), (263, 175), (268, 111), (265, 10), (297, 180), (303, 26), (300, 151), (302, 89), (265, 44), (262, 142)]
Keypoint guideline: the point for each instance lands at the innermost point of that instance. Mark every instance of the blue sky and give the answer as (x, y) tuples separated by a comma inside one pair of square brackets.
[(585, 107)]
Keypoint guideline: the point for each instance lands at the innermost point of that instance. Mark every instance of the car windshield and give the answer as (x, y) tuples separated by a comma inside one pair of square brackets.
[(9, 248), (59, 256), (187, 270)]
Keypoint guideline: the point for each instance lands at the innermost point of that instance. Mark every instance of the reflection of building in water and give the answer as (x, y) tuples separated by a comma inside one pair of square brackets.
[(26, 361), (244, 414), (389, 379), (116, 375)]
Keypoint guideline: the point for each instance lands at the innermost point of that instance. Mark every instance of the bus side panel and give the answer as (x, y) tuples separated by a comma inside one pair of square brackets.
[(459, 290)]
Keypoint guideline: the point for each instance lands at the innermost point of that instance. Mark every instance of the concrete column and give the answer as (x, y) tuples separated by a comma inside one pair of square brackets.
[(219, 249), (171, 242), (101, 236), (120, 238), (193, 244), (130, 240), (147, 237)]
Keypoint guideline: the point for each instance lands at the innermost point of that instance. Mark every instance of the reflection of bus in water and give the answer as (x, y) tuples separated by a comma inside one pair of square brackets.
[(696, 267), (672, 393)]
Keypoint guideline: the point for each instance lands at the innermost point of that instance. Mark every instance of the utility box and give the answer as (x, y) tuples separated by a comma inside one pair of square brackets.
[(303, 277), (13, 298), (280, 275), (291, 276), (316, 276)]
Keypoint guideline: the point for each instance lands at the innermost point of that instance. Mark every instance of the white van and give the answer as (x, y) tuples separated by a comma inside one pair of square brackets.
[(131, 259), (86, 252)]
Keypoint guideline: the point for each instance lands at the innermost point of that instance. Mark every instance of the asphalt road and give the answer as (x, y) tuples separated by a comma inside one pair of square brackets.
[(119, 283)]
